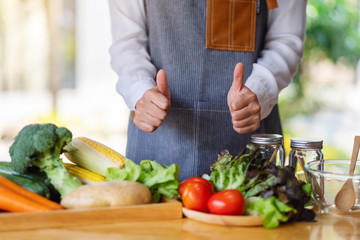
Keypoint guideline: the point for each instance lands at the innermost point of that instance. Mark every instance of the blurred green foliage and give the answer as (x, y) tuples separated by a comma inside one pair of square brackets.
[(332, 34), (333, 31)]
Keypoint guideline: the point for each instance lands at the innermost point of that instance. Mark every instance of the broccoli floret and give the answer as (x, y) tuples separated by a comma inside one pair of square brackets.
[(40, 145)]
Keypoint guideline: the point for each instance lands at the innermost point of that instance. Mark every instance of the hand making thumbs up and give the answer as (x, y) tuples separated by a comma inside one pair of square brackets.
[(151, 109), (243, 104)]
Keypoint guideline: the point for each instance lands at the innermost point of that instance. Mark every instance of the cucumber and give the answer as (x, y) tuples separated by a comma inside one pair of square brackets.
[(31, 185), (33, 181), (6, 167)]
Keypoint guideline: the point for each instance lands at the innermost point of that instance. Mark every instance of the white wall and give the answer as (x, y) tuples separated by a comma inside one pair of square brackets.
[(93, 109), (93, 41), (95, 78)]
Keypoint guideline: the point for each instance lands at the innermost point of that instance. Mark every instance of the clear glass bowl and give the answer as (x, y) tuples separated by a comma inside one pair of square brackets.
[(327, 177)]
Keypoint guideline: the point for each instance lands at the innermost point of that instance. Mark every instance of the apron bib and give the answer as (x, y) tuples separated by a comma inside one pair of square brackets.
[(198, 124)]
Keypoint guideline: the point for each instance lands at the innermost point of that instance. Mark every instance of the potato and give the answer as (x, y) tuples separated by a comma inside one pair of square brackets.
[(107, 194)]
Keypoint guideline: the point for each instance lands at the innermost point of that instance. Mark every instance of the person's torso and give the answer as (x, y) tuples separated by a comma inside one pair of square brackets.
[(177, 31), (198, 125)]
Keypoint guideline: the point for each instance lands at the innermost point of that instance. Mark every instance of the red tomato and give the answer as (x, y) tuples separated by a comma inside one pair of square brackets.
[(227, 202), (196, 195), (194, 179)]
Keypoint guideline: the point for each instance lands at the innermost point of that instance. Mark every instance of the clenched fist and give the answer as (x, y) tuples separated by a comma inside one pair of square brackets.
[(243, 104)]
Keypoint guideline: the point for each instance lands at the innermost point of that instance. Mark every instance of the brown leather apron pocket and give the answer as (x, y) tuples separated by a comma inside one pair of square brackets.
[(231, 25)]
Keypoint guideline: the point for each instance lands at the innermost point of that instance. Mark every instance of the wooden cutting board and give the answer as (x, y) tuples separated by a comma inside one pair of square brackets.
[(170, 209)]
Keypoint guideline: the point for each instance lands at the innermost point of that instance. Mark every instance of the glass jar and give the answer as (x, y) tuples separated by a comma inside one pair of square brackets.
[(302, 151), (271, 147)]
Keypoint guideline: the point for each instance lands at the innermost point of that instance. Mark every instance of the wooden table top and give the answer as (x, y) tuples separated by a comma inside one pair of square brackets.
[(326, 227)]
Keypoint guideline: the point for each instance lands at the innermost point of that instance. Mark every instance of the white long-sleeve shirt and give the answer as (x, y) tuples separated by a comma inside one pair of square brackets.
[(278, 61)]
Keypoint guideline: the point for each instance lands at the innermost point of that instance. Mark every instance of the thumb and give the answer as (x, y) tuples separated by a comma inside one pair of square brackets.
[(162, 84), (238, 77)]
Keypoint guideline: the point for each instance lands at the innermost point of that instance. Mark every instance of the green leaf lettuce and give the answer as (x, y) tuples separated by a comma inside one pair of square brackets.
[(160, 179), (273, 210)]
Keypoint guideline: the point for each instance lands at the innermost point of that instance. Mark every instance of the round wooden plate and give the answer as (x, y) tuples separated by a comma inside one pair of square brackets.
[(244, 221)]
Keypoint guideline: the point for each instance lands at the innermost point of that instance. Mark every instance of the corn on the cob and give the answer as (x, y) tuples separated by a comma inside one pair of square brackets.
[(86, 176), (93, 155)]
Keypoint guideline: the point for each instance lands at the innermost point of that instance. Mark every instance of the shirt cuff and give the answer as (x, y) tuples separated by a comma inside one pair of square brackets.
[(135, 91), (262, 82)]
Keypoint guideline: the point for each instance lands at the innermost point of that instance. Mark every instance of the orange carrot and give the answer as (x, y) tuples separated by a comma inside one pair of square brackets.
[(13, 202), (10, 189)]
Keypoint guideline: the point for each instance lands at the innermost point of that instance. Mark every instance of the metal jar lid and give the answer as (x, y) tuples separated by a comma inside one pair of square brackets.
[(307, 143), (267, 139)]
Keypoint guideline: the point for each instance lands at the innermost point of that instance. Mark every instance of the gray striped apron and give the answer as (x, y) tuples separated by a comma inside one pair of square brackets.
[(198, 125)]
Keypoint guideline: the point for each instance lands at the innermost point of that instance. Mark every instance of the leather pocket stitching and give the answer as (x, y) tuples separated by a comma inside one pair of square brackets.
[(230, 45)]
